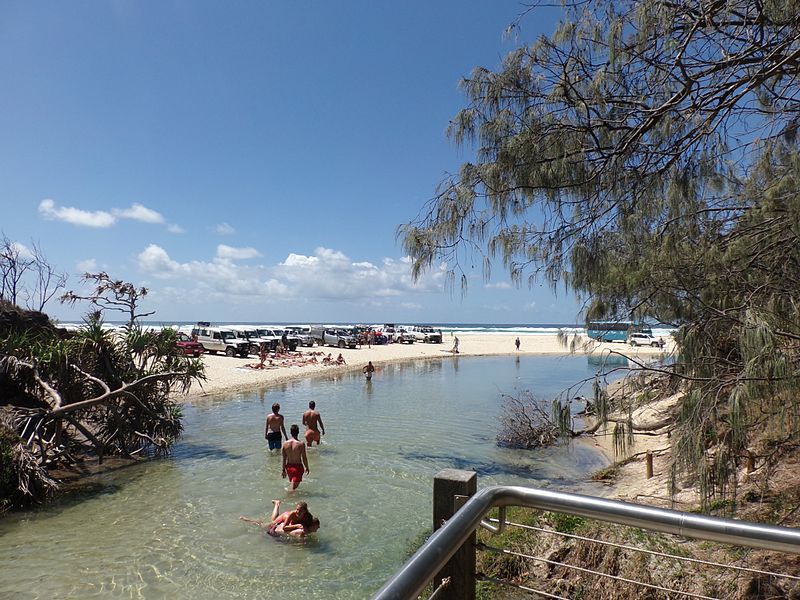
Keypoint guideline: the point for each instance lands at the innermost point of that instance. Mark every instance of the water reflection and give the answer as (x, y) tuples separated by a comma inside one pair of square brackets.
[(603, 360)]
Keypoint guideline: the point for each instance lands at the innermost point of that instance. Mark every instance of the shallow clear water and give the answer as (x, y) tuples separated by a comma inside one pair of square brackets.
[(169, 528)]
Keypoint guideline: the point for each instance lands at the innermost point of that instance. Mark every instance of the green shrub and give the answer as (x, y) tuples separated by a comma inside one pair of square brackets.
[(8, 473)]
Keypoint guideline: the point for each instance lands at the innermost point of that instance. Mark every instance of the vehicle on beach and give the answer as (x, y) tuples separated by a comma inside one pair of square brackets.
[(363, 333), (395, 334), (615, 331), (645, 339), (254, 337), (302, 333), (276, 335), (189, 346), (334, 337), (423, 333), (218, 339)]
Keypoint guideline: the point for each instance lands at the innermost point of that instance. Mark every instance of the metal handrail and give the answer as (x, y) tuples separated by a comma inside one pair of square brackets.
[(412, 578)]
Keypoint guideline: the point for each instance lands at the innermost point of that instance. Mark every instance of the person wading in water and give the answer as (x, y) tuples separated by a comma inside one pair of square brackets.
[(295, 461), (313, 422)]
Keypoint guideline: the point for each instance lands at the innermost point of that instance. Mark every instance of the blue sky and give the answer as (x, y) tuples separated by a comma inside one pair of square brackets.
[(248, 161)]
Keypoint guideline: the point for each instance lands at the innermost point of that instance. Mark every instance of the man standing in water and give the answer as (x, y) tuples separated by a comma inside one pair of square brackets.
[(274, 428), (295, 461), (369, 369), (313, 422)]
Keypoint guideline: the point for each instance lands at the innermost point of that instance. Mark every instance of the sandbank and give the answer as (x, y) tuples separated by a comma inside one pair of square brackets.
[(225, 374)]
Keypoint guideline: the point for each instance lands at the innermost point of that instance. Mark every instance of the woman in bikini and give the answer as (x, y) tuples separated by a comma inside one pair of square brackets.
[(297, 523)]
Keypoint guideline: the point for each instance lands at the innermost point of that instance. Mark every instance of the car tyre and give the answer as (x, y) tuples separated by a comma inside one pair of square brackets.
[(633, 343), (341, 344), (229, 351)]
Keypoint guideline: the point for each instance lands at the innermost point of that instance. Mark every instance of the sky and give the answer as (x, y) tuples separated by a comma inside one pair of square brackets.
[(249, 160)]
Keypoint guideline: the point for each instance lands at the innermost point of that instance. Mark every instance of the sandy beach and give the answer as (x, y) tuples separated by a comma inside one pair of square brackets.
[(230, 374)]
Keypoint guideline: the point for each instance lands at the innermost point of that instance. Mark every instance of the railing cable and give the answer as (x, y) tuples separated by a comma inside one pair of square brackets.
[(591, 572), (651, 552), (445, 582), (519, 586)]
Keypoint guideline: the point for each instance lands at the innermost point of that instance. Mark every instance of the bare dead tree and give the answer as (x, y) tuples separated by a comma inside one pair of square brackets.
[(15, 262), (48, 280), (26, 274), (111, 294)]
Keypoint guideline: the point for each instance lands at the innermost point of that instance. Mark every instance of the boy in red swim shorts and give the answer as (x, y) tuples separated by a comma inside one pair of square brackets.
[(295, 461)]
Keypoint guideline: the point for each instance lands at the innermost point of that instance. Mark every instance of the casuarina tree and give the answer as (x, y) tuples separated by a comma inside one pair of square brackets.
[(645, 156)]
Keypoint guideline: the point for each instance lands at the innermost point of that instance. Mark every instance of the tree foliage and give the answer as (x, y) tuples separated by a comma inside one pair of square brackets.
[(646, 155), (94, 392)]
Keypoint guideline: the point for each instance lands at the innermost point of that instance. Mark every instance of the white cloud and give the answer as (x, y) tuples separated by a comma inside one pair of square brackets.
[(231, 253), (225, 229), (137, 212), (326, 275), (155, 260), (172, 228), (330, 274), (101, 218), (87, 266), (500, 285), (75, 216), (21, 250)]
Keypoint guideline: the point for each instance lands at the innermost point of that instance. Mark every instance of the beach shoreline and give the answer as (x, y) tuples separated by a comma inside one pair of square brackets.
[(231, 375)]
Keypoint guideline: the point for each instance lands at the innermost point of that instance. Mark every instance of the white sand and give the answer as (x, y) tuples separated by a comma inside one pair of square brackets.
[(229, 374)]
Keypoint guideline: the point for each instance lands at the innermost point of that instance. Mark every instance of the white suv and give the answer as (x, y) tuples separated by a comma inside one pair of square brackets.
[(645, 339), (218, 339)]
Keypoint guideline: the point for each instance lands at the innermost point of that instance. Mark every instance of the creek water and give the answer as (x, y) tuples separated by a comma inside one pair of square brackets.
[(169, 528)]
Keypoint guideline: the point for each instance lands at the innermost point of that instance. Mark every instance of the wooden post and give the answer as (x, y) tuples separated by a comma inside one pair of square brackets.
[(448, 484), (648, 461)]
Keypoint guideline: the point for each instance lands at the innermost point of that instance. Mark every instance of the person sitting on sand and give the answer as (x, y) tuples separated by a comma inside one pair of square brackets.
[(340, 359), (296, 523), (327, 360)]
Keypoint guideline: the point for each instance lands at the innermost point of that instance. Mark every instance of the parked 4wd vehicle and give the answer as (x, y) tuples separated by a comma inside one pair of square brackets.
[(277, 334), (645, 339), (423, 333), (217, 339), (188, 346), (302, 333), (333, 337), (253, 337)]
